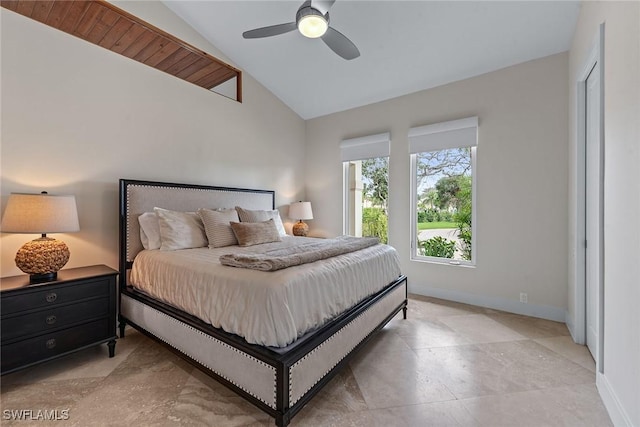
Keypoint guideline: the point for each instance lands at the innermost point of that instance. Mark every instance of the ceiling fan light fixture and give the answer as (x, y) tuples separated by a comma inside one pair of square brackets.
[(312, 20), (311, 23)]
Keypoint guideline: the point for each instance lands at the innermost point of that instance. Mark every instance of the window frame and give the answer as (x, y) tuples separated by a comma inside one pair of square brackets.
[(414, 216), (360, 149), (413, 222), (346, 222), (346, 193)]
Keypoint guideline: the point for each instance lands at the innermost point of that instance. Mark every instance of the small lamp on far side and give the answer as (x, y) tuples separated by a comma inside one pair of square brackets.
[(41, 214), (300, 211)]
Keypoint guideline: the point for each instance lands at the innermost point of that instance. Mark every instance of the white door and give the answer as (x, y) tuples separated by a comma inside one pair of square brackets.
[(592, 132)]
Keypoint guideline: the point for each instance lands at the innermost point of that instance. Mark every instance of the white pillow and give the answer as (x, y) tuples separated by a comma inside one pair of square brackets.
[(217, 226), (149, 230), (180, 230), (247, 215)]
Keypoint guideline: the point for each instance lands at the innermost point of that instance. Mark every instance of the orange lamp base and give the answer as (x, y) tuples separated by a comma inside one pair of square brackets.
[(300, 229), (42, 258)]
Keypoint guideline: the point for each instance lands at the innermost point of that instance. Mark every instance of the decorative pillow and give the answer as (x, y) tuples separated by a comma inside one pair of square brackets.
[(247, 215), (217, 228), (255, 233), (149, 230), (180, 230)]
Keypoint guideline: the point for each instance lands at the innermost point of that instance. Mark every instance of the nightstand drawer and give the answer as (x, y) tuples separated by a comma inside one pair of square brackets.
[(48, 296), (42, 321), (53, 318), (49, 345)]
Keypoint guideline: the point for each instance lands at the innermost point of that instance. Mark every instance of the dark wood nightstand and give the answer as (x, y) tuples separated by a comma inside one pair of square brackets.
[(44, 321)]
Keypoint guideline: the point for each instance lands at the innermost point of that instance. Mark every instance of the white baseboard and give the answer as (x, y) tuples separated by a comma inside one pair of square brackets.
[(616, 412), (556, 314), (568, 320)]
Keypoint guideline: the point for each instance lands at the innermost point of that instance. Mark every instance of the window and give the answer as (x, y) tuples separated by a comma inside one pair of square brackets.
[(443, 195), (366, 185)]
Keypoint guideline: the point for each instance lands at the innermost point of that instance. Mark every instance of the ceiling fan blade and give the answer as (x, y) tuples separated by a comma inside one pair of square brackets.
[(322, 6), (340, 44), (272, 30)]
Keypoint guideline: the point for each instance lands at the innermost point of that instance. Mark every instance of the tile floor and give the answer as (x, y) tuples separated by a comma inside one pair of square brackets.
[(448, 364)]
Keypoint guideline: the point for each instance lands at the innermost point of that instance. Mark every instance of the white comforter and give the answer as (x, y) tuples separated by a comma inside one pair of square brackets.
[(266, 308)]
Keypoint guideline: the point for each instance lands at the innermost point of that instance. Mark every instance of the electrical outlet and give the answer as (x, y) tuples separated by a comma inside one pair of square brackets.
[(523, 297)]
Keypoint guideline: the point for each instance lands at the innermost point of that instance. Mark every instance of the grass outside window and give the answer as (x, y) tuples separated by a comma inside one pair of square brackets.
[(436, 225)]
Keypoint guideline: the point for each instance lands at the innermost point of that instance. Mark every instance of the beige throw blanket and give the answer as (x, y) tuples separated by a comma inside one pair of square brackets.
[(288, 257)]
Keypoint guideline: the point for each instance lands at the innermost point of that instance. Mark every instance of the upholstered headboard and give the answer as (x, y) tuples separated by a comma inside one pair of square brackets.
[(138, 197)]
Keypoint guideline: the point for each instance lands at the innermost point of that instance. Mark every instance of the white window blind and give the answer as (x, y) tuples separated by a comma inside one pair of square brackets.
[(445, 135), (366, 147)]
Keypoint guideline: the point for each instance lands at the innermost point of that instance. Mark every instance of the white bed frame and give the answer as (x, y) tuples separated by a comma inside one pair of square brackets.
[(278, 381)]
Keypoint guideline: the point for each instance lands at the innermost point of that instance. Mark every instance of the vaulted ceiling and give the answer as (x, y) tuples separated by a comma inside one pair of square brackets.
[(405, 46)]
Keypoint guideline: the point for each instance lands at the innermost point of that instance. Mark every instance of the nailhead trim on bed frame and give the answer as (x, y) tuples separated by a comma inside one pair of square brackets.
[(215, 341), (128, 232), (369, 315)]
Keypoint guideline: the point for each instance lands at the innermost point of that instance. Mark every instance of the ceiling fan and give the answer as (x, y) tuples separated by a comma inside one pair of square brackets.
[(312, 20)]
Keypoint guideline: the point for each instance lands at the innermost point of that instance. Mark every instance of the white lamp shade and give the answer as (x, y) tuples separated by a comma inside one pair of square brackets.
[(40, 213), (300, 210)]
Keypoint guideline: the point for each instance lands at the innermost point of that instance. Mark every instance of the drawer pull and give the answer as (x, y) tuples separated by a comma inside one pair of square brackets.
[(51, 343), (52, 297), (51, 319)]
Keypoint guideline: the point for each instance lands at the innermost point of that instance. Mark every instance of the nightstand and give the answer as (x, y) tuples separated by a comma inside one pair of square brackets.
[(43, 321)]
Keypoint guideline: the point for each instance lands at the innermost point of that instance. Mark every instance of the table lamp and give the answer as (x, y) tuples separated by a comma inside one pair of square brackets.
[(41, 214), (300, 211)]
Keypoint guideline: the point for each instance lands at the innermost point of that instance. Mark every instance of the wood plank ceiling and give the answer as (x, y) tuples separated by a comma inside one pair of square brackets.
[(105, 25)]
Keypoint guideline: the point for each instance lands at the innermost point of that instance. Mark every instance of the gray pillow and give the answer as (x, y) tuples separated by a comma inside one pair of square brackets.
[(255, 233), (247, 215), (217, 228)]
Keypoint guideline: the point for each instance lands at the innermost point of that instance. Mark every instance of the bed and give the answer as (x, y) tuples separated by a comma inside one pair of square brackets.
[(279, 369)]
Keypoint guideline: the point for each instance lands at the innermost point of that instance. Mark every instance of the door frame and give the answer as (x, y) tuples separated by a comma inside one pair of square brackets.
[(596, 56)]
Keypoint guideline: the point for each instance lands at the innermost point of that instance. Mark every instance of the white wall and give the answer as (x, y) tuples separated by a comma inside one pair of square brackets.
[(76, 118), (619, 385), (521, 177)]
